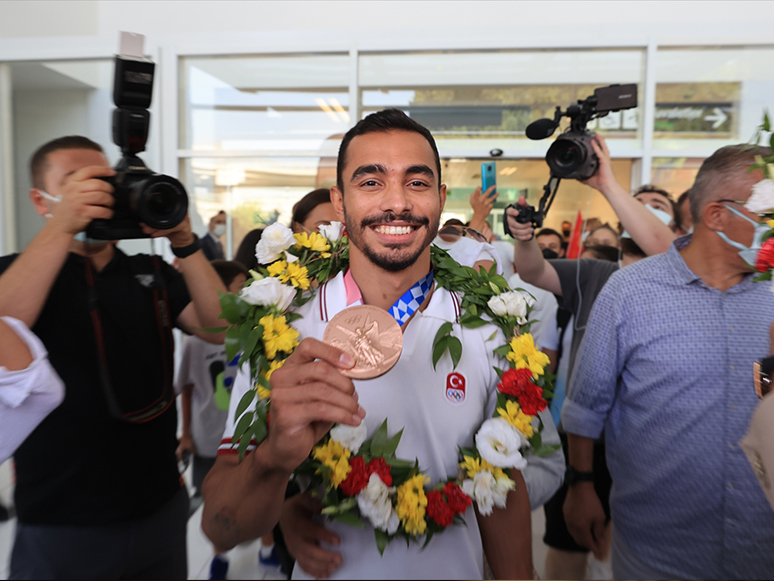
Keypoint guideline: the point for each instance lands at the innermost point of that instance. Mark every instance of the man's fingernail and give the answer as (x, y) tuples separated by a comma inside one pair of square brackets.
[(346, 360), (361, 412)]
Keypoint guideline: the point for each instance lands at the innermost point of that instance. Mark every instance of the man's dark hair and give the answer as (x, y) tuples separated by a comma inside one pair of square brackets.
[(602, 252), (228, 270), (651, 189), (606, 226), (39, 159), (309, 202), (549, 232), (245, 255), (383, 121), (630, 248), (718, 172), (678, 215)]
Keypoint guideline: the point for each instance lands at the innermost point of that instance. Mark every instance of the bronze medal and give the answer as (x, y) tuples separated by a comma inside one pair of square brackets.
[(370, 335)]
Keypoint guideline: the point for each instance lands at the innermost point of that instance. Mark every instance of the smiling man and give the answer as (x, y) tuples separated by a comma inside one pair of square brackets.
[(389, 194)]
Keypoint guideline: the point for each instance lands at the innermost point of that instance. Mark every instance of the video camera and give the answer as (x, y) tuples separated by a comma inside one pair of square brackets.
[(141, 195), (571, 155)]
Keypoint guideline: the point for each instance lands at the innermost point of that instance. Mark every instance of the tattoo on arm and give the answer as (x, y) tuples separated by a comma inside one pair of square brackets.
[(226, 520)]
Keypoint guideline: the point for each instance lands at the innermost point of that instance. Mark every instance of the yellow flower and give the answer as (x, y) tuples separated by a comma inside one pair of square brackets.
[(336, 457), (314, 241), (263, 393), (277, 268), (411, 504), (273, 366), (278, 336), (524, 353), (297, 275), (517, 418), (471, 466), (770, 223)]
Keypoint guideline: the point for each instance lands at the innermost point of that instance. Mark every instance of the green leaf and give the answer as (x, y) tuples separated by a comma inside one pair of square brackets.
[(492, 336), (232, 342), (546, 450), (245, 442), (398, 463), (455, 350), (379, 441), (392, 444), (472, 321), (246, 400), (502, 350), (382, 538), (229, 310), (252, 340), (499, 372), (242, 425), (348, 518), (438, 350), (260, 431), (427, 539)]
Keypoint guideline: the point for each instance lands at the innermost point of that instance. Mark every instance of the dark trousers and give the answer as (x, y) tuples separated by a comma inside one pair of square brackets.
[(153, 547)]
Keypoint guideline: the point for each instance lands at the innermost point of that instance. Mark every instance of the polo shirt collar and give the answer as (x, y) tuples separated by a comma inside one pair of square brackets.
[(687, 276)]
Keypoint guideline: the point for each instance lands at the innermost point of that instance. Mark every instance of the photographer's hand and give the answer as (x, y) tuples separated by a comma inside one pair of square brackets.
[(527, 257), (84, 198), (647, 231), (482, 206)]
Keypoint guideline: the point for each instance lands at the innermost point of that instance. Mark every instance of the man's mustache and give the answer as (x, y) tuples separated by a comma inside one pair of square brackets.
[(386, 217)]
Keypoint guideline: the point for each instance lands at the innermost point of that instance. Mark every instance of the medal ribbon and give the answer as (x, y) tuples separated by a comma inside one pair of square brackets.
[(406, 305)]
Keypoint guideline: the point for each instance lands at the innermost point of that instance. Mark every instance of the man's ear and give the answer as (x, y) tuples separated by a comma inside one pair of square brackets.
[(442, 191), (39, 202), (714, 216), (337, 199)]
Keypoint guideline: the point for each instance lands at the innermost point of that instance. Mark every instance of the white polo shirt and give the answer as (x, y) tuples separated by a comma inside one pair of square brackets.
[(438, 410)]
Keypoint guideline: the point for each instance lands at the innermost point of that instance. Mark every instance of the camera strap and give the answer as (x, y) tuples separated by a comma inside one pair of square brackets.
[(161, 307)]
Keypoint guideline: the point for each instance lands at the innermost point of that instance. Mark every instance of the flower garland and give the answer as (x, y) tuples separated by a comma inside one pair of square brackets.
[(363, 479)]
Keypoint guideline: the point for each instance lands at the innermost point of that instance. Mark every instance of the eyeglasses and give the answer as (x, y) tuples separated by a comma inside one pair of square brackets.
[(732, 201), (456, 232)]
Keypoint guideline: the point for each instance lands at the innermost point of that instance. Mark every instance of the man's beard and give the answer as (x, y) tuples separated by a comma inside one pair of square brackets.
[(391, 262)]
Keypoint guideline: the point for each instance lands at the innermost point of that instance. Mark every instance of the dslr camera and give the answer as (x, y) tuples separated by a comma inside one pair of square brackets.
[(571, 155), (141, 195)]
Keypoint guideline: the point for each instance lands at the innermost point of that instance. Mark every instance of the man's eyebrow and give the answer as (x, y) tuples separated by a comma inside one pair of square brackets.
[(368, 169), (420, 169)]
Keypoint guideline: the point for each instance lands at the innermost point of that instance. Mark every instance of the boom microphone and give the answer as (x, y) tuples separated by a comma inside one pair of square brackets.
[(541, 128)]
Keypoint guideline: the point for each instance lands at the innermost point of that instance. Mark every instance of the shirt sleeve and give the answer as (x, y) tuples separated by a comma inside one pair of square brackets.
[(544, 330), (28, 395), (598, 366), (241, 387)]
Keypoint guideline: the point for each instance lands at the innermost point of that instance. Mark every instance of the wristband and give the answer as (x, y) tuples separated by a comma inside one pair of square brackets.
[(184, 251), (572, 476)]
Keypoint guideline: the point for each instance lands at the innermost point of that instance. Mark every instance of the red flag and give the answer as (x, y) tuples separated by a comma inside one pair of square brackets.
[(574, 247)]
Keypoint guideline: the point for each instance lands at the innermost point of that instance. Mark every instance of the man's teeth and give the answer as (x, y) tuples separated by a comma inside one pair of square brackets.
[(394, 230)]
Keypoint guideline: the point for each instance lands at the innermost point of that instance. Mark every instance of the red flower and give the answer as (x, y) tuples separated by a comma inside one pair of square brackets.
[(765, 260), (438, 510), (515, 381), (358, 477), (518, 383), (379, 466), (458, 500)]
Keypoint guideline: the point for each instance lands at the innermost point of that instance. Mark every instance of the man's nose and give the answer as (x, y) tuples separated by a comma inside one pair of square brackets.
[(395, 198)]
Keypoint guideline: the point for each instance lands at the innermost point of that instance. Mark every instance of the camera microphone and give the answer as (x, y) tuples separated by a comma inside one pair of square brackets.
[(541, 129)]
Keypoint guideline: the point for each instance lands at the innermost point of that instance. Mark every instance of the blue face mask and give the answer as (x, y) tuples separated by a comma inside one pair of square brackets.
[(748, 254)]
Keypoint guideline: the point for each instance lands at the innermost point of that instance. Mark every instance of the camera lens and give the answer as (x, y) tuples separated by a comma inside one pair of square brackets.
[(571, 156), (567, 155), (160, 201)]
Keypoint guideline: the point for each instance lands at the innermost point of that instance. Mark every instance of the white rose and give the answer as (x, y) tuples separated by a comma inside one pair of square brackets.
[(513, 303), (332, 231), (481, 489), (375, 503), (499, 443), (268, 292), (762, 198), (351, 437), (273, 243)]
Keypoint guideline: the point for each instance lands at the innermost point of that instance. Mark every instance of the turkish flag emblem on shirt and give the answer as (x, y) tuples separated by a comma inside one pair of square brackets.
[(455, 387)]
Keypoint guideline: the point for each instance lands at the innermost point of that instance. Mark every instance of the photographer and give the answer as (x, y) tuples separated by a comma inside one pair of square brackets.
[(97, 481), (576, 283)]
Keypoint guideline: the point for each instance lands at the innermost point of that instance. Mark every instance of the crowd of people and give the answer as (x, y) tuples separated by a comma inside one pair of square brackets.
[(652, 334)]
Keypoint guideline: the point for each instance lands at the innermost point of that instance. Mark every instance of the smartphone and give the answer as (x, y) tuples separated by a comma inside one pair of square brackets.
[(488, 177)]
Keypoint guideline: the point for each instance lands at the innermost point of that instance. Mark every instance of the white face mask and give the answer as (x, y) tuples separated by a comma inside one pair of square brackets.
[(50, 198), (748, 254), (660, 214), (219, 230)]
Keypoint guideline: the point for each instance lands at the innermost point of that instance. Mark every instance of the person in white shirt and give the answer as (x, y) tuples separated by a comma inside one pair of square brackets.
[(390, 196), (29, 387)]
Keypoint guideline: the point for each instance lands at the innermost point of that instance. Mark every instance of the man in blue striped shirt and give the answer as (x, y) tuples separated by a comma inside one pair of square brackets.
[(666, 369)]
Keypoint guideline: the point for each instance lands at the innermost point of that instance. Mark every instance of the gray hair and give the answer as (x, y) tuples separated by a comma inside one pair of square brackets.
[(718, 172)]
